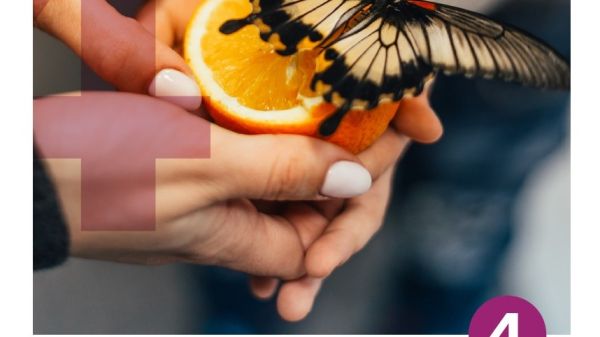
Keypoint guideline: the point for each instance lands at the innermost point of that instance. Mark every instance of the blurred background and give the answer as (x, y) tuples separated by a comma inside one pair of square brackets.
[(484, 212)]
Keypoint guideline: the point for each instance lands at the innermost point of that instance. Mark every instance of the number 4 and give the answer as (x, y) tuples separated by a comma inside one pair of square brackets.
[(510, 321)]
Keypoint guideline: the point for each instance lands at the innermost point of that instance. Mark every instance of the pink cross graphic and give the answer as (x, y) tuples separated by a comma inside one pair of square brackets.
[(118, 137), (118, 142)]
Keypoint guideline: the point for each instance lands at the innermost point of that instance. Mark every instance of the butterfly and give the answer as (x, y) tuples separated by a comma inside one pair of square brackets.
[(383, 50)]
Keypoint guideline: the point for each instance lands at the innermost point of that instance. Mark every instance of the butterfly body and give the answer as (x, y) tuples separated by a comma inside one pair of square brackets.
[(375, 51)]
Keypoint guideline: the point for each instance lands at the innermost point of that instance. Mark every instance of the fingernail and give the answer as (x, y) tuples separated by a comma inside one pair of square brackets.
[(346, 179), (176, 87)]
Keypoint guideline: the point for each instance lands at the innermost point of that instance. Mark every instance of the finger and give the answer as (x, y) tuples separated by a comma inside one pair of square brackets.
[(284, 167), (168, 19), (351, 230), (384, 153), (262, 245), (120, 50), (310, 218), (243, 239), (309, 224), (329, 208), (263, 287), (417, 119), (155, 18), (296, 298)]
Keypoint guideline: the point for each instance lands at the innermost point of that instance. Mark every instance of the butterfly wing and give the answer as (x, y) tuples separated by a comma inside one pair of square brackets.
[(463, 42), (383, 50), (287, 24), (375, 60), (390, 53)]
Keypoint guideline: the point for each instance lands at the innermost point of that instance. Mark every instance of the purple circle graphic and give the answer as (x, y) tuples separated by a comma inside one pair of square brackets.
[(507, 316)]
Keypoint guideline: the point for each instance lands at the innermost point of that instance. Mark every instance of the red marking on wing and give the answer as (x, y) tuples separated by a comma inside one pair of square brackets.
[(423, 4)]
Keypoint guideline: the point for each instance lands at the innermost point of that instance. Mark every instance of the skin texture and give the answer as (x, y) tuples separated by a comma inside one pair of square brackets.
[(415, 119), (203, 216), (257, 226), (108, 42)]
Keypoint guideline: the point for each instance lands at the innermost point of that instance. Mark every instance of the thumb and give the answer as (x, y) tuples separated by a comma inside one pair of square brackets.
[(284, 167), (119, 49)]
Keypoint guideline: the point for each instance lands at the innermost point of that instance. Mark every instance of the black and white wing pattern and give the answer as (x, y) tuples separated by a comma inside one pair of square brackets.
[(288, 23), (374, 51), (389, 53), (457, 41)]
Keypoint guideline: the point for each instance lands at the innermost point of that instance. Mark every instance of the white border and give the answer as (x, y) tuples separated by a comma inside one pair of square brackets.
[(15, 174), (585, 168), (16, 60)]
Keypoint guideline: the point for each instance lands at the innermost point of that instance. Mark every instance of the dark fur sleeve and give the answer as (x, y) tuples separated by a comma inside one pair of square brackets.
[(50, 236)]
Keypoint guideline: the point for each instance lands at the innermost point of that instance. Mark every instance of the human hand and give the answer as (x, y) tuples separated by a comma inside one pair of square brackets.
[(168, 20), (119, 49), (351, 223), (204, 207), (421, 124)]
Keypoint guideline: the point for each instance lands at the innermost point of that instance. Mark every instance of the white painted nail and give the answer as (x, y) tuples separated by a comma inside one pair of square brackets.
[(346, 179), (176, 87)]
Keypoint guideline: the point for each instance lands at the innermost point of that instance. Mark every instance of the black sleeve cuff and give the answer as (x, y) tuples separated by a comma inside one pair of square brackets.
[(50, 236)]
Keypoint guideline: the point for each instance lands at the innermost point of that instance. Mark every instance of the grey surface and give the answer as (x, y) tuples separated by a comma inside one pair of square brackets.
[(55, 67), (89, 297), (539, 264), (99, 297)]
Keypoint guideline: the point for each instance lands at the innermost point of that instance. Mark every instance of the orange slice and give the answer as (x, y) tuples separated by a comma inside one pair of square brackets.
[(249, 88)]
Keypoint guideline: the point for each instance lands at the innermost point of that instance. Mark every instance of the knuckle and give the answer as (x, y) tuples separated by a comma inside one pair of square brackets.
[(290, 172), (217, 244)]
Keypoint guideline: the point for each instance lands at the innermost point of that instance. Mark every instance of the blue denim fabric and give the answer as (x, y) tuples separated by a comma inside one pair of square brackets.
[(454, 199), (459, 194)]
